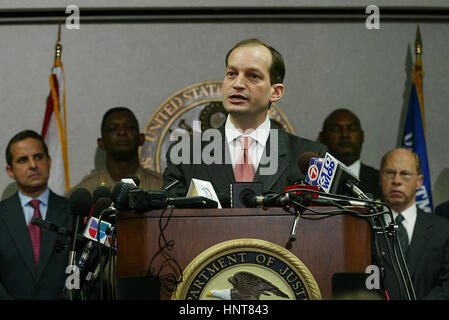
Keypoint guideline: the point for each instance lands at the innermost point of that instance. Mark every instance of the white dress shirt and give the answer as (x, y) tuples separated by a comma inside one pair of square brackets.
[(355, 168), (259, 135)]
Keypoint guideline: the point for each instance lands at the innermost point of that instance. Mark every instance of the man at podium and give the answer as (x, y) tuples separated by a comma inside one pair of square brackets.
[(249, 147)]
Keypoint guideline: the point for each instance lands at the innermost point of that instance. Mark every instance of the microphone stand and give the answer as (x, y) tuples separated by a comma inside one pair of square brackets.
[(70, 293), (300, 203), (392, 233)]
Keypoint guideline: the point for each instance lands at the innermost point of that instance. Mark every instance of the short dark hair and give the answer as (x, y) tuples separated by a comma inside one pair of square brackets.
[(114, 110), (22, 135), (328, 119), (277, 68)]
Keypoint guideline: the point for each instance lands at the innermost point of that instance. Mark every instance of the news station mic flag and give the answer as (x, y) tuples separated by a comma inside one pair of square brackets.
[(414, 138), (54, 128)]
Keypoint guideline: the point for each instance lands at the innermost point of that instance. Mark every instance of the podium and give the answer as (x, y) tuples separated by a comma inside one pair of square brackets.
[(325, 244)]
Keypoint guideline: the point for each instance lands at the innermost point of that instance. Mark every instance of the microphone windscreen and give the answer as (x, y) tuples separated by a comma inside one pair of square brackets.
[(247, 197), (101, 204), (101, 192), (120, 195), (135, 179), (80, 202), (304, 160)]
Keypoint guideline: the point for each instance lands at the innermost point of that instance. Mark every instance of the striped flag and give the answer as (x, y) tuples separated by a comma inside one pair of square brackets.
[(54, 128), (414, 138)]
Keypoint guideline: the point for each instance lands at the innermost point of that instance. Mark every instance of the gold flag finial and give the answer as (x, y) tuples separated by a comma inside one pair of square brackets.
[(58, 45), (418, 44)]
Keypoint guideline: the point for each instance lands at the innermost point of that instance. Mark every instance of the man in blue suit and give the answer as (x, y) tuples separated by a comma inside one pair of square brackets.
[(30, 268)]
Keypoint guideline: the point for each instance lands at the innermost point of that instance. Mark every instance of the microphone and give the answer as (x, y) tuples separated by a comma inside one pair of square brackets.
[(336, 178), (304, 162), (85, 260), (50, 226), (143, 200), (192, 202), (249, 198), (80, 203), (99, 192), (120, 195)]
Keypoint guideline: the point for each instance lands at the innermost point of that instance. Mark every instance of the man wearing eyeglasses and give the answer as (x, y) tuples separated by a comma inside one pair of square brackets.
[(423, 237)]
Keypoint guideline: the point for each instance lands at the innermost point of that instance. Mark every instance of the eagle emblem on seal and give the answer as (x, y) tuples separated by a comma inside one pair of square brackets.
[(247, 286)]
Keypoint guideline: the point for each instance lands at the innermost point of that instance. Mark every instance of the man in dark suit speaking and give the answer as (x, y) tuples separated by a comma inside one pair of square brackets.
[(247, 146), (423, 237), (30, 266)]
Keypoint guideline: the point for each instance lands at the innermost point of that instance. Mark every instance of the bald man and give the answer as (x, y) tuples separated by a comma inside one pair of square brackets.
[(426, 244)]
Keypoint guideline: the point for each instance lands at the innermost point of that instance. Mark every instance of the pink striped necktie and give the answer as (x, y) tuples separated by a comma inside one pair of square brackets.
[(244, 168), (35, 231)]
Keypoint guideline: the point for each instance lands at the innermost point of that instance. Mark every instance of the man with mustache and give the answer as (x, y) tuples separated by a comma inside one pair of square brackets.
[(343, 135), (253, 81), (30, 266), (423, 237)]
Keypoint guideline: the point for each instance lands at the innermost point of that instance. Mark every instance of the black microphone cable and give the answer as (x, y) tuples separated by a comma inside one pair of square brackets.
[(168, 281)]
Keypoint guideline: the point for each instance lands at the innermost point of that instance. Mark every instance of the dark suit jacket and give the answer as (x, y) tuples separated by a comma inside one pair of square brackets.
[(221, 175), (427, 259), (442, 210), (369, 181), (19, 277)]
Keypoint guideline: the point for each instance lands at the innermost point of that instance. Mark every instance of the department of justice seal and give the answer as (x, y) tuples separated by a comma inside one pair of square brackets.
[(247, 269), (198, 102)]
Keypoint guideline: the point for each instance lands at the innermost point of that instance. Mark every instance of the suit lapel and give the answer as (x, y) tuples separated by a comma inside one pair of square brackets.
[(15, 221), (57, 214), (275, 144), (421, 236), (222, 175)]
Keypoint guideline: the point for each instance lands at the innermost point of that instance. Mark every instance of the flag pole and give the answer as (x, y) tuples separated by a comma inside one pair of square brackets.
[(418, 74), (58, 48)]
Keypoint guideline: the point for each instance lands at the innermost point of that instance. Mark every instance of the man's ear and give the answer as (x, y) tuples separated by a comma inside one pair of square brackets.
[(141, 139), (10, 172), (100, 143), (277, 92), (321, 137), (420, 181)]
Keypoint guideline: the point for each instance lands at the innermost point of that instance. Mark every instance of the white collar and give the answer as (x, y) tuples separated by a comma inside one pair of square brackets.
[(260, 134), (409, 221), (355, 168)]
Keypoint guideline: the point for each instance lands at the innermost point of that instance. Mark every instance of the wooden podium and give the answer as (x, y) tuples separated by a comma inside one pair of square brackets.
[(325, 244)]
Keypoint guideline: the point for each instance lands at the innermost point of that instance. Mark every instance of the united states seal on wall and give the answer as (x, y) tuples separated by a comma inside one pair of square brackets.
[(199, 102)]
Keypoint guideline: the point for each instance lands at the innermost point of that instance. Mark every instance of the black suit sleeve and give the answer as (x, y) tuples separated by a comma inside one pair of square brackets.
[(175, 172), (440, 291)]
